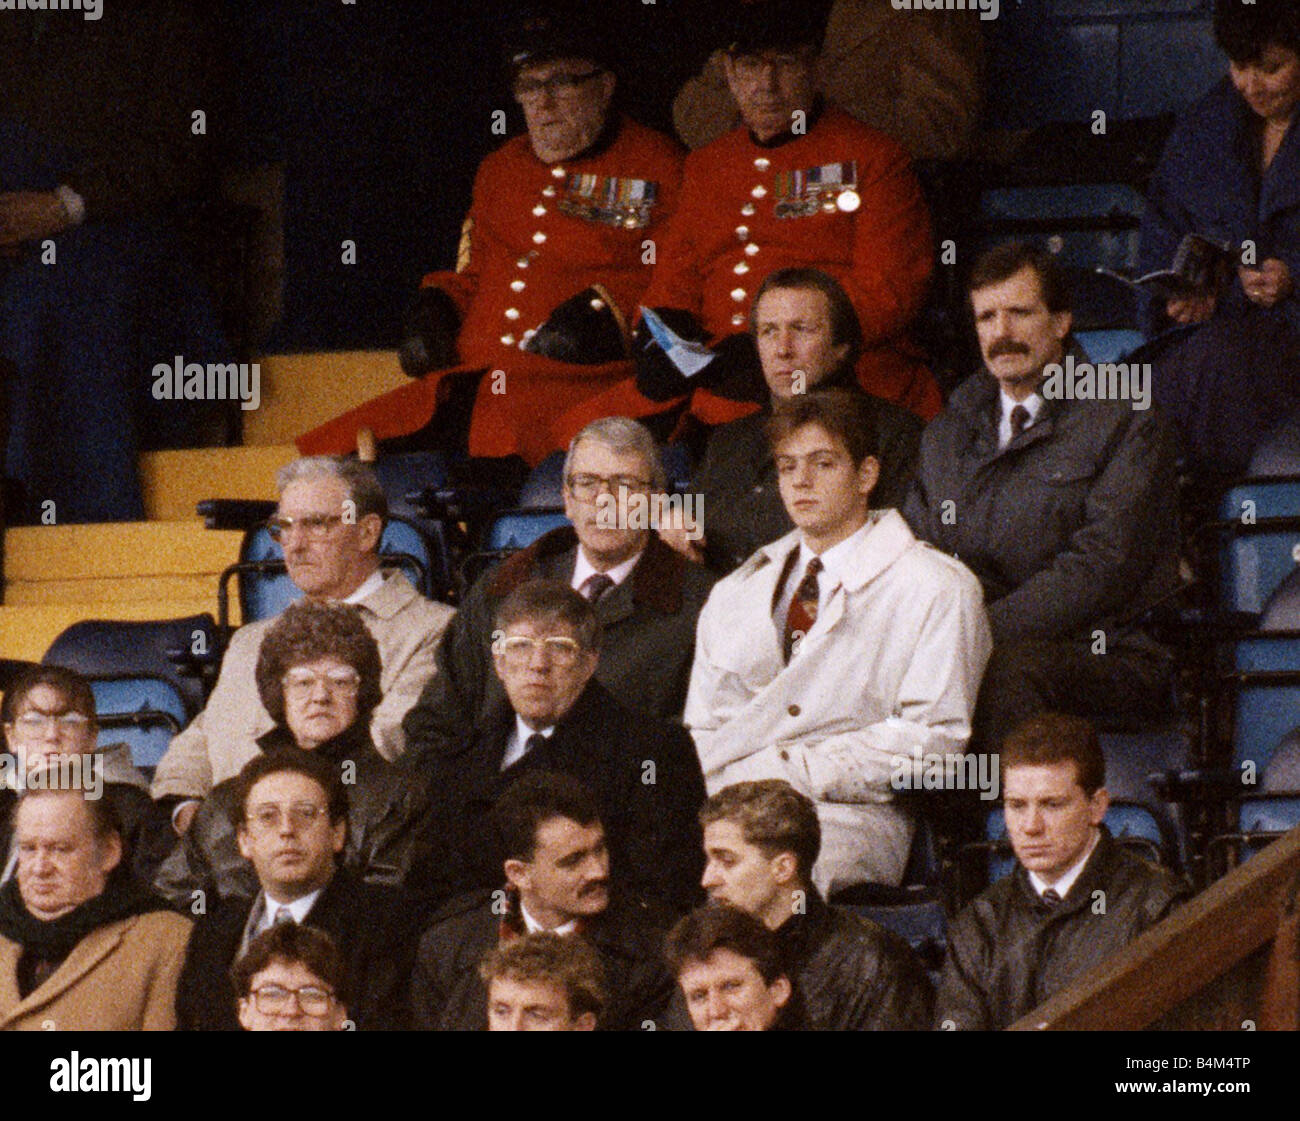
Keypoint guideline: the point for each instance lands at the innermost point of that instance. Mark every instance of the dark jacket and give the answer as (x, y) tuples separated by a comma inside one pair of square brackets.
[(742, 503), (1008, 951), (853, 974), (645, 658), (643, 772), (1072, 527), (374, 927), (447, 993), (386, 833)]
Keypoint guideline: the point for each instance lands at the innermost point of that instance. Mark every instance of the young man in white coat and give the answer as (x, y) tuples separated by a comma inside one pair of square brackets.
[(839, 650)]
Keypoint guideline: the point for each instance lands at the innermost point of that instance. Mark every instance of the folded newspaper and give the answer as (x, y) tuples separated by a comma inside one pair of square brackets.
[(689, 357)]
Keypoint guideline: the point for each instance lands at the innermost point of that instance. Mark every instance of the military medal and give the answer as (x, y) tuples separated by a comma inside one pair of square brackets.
[(818, 190), (610, 200)]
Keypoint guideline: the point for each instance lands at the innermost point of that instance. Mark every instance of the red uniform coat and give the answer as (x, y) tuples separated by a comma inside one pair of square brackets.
[(530, 249), (747, 210)]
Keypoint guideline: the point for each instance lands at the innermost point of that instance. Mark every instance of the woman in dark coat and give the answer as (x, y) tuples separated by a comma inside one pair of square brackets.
[(1230, 368), (318, 676)]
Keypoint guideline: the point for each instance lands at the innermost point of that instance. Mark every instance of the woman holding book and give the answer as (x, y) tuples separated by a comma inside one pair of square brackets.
[(1227, 370)]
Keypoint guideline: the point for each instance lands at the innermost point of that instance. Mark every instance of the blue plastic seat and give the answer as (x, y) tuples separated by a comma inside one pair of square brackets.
[(1259, 524), (517, 529), (142, 712), (1112, 345)]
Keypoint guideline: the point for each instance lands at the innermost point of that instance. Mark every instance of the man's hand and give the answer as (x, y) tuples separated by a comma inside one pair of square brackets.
[(30, 216), (1191, 309), (1267, 285)]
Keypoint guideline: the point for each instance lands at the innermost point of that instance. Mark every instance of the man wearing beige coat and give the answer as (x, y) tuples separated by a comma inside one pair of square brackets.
[(329, 522), (839, 651), (82, 947)]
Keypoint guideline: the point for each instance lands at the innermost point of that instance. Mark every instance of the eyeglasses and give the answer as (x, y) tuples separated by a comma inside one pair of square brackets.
[(314, 526), (560, 85), (516, 650), (271, 1000), (586, 487), (267, 817), (64, 722), (302, 683)]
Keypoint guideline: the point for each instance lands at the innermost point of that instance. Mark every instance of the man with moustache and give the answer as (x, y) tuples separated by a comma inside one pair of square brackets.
[(1065, 510), (557, 877)]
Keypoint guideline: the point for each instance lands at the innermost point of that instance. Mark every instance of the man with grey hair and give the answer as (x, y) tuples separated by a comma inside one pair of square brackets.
[(329, 522), (646, 595)]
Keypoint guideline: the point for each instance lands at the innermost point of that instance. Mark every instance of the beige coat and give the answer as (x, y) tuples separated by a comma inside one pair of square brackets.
[(121, 977), (890, 667), (917, 76), (223, 737)]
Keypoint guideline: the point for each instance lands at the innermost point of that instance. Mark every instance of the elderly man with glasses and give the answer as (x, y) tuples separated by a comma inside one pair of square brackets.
[(643, 773), (646, 596), (329, 522), (554, 255)]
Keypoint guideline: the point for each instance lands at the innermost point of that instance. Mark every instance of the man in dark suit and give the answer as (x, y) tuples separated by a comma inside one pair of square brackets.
[(646, 596), (292, 826), (643, 772), (557, 874)]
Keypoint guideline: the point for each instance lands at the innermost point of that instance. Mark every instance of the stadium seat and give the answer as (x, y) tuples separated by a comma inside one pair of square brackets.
[(264, 586), (1259, 542), (142, 712)]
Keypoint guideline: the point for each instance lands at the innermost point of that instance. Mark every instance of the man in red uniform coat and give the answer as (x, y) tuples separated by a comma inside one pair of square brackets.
[(568, 205), (800, 183)]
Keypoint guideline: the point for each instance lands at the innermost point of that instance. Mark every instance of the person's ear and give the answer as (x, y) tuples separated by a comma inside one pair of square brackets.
[(785, 868), (589, 660), (585, 1022), (371, 529), (1098, 804), (517, 874), (111, 852), (245, 842), (868, 475), (1062, 321), (244, 1012), (780, 991)]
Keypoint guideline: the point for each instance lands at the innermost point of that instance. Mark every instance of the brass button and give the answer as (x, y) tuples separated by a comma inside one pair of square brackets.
[(785, 755), (557, 173), (517, 286), (740, 269), (548, 191), (742, 232), (794, 710), (538, 210), (539, 237), (512, 313), (762, 163), (759, 192), (508, 340), (522, 263), (737, 320), (749, 210), (751, 249), (738, 294)]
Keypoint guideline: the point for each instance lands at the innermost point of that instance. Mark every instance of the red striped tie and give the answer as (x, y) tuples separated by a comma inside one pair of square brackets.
[(803, 608)]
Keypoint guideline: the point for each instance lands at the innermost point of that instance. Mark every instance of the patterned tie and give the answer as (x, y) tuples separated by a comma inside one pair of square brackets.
[(1019, 420), (1051, 897), (803, 608), (593, 587), (283, 916)]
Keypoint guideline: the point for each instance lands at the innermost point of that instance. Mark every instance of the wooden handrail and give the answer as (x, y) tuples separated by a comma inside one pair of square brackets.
[(1253, 906)]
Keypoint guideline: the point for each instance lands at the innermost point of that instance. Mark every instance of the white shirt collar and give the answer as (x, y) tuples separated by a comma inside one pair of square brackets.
[(1063, 885), (534, 927), (369, 586), (836, 562), (516, 745), (298, 908), (583, 570), (1032, 404)]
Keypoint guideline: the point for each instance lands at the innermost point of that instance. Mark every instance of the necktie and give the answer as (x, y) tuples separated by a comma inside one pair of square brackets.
[(533, 742), (803, 608), (1051, 897), (1019, 420), (593, 587), (282, 916)]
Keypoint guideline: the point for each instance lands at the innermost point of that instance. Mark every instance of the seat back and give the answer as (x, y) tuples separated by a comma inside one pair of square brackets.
[(142, 712), (170, 650), (1259, 527)]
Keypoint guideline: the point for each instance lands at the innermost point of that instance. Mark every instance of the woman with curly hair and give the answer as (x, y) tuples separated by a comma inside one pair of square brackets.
[(318, 677)]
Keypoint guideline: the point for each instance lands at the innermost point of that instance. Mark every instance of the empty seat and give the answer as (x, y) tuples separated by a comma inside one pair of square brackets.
[(142, 712), (1259, 528)]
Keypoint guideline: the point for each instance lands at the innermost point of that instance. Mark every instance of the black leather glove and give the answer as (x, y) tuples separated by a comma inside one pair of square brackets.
[(587, 329), (656, 375), (429, 330)]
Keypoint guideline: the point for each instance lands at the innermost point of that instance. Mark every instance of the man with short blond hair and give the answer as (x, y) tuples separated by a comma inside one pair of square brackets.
[(543, 982), (1076, 896), (329, 522)]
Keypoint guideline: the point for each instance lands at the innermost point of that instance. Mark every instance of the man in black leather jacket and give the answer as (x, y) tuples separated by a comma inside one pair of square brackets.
[(557, 878), (761, 840), (1075, 898)]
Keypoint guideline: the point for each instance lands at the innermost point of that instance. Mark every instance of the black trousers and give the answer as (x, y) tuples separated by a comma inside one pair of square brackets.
[(1124, 689)]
